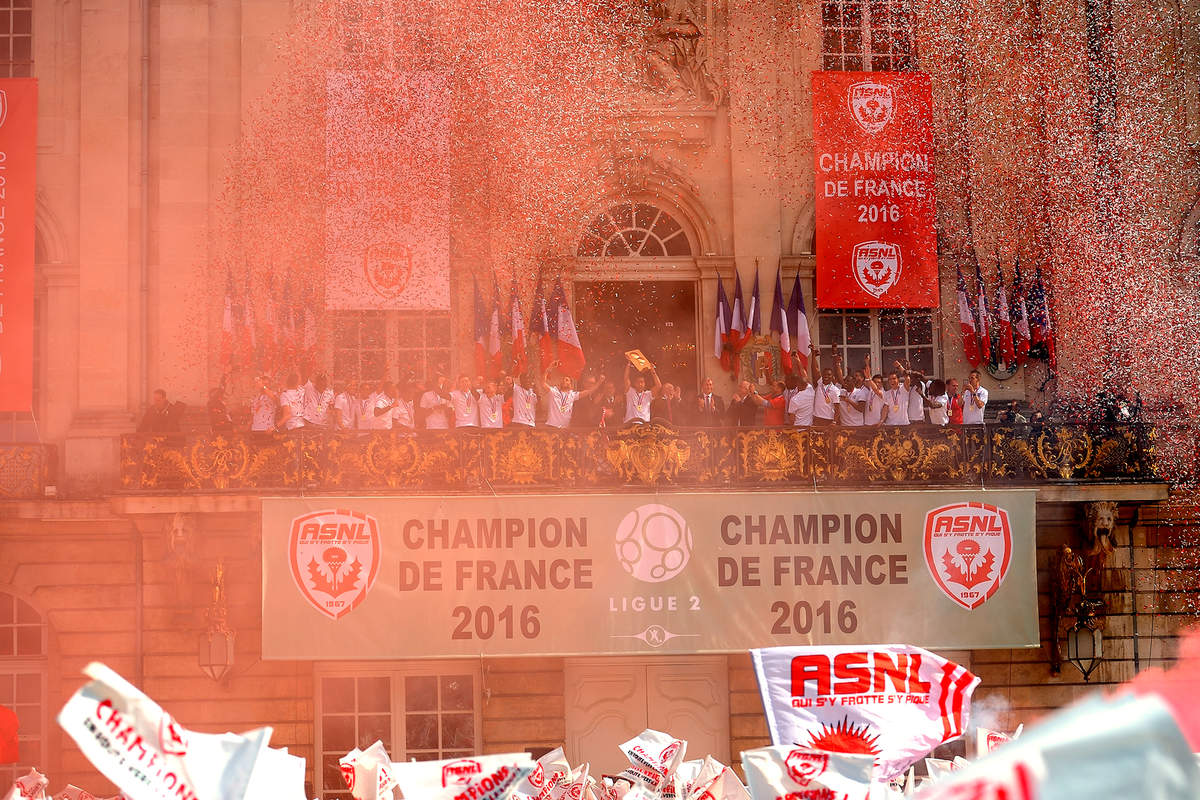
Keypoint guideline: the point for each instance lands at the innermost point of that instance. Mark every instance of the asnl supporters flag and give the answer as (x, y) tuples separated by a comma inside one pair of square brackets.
[(139, 747), (894, 702), (783, 773)]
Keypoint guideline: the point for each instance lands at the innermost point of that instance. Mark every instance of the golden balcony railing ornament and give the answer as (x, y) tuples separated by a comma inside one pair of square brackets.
[(650, 454)]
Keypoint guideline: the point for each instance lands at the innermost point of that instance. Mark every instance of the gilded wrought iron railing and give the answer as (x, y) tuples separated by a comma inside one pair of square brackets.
[(25, 470), (517, 459)]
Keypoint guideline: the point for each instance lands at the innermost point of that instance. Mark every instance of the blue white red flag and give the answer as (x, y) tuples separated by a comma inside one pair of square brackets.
[(540, 327), (481, 331), (493, 342), (1040, 327), (569, 351), (520, 355), (1020, 318), (753, 322), (981, 316), (798, 322), (781, 325), (966, 324), (723, 323), (1004, 318)]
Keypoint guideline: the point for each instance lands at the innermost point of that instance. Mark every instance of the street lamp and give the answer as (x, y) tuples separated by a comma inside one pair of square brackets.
[(1085, 640), (215, 652)]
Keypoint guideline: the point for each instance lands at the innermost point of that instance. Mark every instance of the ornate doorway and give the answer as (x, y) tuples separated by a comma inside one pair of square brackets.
[(636, 287)]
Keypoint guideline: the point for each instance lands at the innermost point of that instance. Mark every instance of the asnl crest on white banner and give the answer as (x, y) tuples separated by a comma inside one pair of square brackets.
[(406, 577)]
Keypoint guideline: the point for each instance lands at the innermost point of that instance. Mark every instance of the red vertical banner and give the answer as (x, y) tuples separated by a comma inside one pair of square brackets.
[(873, 153), (18, 186)]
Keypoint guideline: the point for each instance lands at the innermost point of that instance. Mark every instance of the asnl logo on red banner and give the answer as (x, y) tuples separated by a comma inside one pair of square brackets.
[(335, 558), (875, 212), (968, 547)]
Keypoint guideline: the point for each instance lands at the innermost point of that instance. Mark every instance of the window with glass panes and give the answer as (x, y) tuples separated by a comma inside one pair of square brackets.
[(870, 35), (16, 38), (374, 345), (23, 679), (886, 335), (420, 712)]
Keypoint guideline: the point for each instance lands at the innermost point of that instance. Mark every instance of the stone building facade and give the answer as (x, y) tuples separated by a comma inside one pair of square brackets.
[(141, 107)]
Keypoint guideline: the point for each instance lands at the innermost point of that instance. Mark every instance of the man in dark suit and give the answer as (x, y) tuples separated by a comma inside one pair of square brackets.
[(709, 409), (744, 406)]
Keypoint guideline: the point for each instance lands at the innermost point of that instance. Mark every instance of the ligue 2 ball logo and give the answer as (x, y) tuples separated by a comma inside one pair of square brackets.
[(654, 543)]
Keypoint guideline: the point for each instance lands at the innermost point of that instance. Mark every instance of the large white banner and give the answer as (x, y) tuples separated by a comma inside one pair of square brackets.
[(894, 702), (387, 208)]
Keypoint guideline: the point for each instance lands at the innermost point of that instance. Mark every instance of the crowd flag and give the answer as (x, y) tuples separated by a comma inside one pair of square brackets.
[(494, 324), (723, 323), (780, 324), (9, 752), (966, 324), (798, 321), (1020, 318), (981, 317), (1004, 317), (520, 355), (787, 772), (1041, 331), (481, 331), (917, 700), (31, 786), (134, 743), (569, 350)]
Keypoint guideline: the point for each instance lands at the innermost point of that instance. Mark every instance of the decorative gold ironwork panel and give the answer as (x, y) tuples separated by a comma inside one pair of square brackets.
[(25, 470), (645, 456)]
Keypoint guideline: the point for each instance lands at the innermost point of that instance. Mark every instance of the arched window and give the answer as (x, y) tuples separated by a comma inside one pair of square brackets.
[(633, 229), (23, 669)]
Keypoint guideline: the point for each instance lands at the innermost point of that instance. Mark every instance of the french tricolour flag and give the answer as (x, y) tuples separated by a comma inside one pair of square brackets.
[(966, 324), (481, 332), (1020, 318), (981, 318), (540, 327), (722, 325), (493, 343), (570, 352), (1005, 319), (798, 322), (520, 356), (781, 325)]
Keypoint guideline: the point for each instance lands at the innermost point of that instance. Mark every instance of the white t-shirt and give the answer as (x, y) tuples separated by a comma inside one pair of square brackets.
[(637, 404), (916, 404), (801, 405), (466, 408), (874, 411), (262, 412), (346, 408), (316, 404), (524, 406), (293, 399), (896, 401), (940, 416), (562, 404), (438, 418), (971, 414), (491, 411), (402, 414), (381, 422), (852, 417), (827, 396)]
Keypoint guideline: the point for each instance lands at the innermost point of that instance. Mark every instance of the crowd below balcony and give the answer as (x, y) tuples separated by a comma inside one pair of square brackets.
[(860, 397)]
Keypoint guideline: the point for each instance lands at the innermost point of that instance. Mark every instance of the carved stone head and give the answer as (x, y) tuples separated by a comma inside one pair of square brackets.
[(1101, 525)]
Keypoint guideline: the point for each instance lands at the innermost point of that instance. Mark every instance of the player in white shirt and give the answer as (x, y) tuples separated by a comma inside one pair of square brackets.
[(318, 399), (828, 393), (491, 406), (403, 413), (291, 402), (937, 402), (560, 400), (465, 403), (524, 402), (895, 401), (975, 399), (852, 405), (873, 413), (263, 406), (383, 407), (637, 397), (436, 404), (345, 406), (801, 404)]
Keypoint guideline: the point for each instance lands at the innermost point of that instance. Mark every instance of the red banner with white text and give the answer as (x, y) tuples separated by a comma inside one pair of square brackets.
[(873, 153), (18, 151)]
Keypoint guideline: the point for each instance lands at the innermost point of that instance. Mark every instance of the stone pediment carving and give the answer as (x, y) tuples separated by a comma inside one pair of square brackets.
[(673, 57)]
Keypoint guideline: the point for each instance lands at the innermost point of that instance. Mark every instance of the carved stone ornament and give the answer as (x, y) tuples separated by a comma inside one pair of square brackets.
[(672, 55)]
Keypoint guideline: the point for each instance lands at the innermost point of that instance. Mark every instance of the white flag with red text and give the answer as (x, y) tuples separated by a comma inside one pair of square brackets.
[(490, 777), (781, 773), (137, 745), (894, 702)]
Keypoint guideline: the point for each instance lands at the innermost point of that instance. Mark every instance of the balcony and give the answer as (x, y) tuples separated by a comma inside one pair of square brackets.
[(25, 470), (648, 456)]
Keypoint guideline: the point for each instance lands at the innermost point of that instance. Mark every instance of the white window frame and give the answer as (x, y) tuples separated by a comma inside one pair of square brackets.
[(29, 665), (867, 51), (394, 350), (876, 345), (396, 671)]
